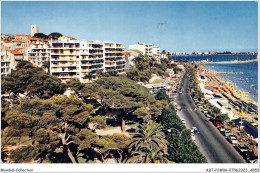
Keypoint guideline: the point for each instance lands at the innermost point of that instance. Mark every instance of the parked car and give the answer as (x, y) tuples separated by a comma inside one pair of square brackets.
[(241, 148), (225, 133), (232, 139), (247, 155), (217, 123), (221, 128), (205, 111), (183, 121), (208, 115)]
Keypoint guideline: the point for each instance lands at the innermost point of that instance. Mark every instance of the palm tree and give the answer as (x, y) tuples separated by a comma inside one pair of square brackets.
[(148, 144)]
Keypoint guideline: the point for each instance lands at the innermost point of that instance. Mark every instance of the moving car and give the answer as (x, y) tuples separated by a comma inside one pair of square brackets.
[(195, 130), (193, 137), (178, 108)]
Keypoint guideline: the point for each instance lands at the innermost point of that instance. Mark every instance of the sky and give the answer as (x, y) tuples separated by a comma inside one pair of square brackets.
[(173, 26)]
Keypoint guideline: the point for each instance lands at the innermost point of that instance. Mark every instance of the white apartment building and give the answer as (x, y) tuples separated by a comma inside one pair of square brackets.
[(148, 49), (5, 66), (9, 60), (70, 58), (114, 57), (38, 53)]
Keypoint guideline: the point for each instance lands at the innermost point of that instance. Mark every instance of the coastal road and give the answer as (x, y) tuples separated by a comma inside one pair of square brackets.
[(211, 143)]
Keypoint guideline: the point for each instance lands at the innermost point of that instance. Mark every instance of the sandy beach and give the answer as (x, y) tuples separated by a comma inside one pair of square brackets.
[(226, 90)]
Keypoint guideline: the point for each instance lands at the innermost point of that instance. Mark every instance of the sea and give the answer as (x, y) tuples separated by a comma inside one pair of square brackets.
[(246, 82)]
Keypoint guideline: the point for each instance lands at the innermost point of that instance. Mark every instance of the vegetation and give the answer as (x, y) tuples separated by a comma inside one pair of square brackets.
[(146, 66), (197, 92), (40, 35), (48, 127), (222, 118), (148, 145), (181, 149), (31, 81), (54, 35), (161, 95), (123, 97)]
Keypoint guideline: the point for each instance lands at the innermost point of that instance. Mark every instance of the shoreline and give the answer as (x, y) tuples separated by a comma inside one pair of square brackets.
[(230, 84), (231, 62)]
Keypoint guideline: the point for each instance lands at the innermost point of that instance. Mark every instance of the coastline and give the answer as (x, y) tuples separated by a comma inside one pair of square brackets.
[(230, 62), (229, 84)]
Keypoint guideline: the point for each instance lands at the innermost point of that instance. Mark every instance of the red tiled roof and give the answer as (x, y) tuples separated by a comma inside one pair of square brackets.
[(16, 52), (32, 38), (21, 35), (137, 50), (7, 42)]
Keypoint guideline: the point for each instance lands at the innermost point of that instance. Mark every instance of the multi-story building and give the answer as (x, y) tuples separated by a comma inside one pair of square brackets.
[(76, 59), (114, 57), (39, 53), (21, 37), (64, 59), (147, 49), (34, 29), (9, 60), (5, 66)]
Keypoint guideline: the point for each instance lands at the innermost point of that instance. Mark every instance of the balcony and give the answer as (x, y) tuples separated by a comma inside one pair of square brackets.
[(85, 70), (63, 64)]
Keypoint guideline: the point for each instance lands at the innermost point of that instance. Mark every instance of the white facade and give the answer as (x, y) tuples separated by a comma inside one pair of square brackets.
[(146, 49), (75, 59), (5, 66), (34, 29), (9, 60), (39, 53)]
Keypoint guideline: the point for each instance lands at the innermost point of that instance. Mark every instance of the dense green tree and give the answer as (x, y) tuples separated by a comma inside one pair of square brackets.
[(118, 94), (88, 76), (46, 65), (161, 95), (54, 35), (148, 145), (32, 81), (215, 111), (181, 149), (222, 117), (40, 35), (75, 84), (51, 123)]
